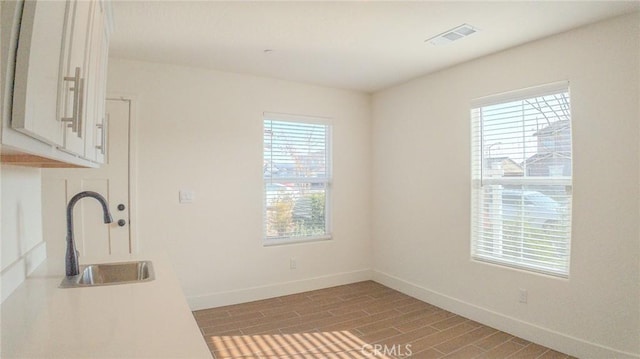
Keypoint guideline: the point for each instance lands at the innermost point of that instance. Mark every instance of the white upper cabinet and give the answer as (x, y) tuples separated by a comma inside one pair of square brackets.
[(37, 72), (60, 80)]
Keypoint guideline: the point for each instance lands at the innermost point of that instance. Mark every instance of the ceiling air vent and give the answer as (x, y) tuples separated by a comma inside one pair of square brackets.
[(452, 35)]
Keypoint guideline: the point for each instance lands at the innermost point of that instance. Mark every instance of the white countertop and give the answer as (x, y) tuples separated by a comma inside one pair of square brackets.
[(139, 320)]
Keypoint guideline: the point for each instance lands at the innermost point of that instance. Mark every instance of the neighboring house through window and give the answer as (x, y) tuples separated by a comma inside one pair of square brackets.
[(522, 179), (297, 176)]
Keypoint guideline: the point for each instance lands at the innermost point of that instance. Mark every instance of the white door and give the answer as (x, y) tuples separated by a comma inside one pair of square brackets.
[(94, 239)]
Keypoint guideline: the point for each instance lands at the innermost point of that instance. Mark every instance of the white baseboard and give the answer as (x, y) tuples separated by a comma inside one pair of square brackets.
[(275, 290), (17, 272), (543, 336)]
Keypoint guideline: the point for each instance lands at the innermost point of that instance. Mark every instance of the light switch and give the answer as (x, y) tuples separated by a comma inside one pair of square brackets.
[(186, 196)]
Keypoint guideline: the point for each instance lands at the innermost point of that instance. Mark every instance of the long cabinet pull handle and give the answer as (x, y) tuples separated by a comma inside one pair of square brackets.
[(80, 108), (103, 127), (100, 127), (73, 120)]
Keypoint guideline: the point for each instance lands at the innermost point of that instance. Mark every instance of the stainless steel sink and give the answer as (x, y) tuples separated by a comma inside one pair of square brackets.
[(110, 273)]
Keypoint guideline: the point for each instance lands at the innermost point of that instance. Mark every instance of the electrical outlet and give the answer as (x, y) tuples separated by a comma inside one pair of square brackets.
[(523, 297), (292, 263), (186, 196)]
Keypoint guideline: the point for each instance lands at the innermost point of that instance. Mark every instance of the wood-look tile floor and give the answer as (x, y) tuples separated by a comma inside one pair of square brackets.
[(361, 320)]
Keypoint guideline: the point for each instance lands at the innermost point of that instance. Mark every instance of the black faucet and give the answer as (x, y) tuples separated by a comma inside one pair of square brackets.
[(71, 259)]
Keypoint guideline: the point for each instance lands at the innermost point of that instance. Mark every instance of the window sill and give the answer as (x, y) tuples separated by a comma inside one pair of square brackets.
[(294, 240), (505, 264)]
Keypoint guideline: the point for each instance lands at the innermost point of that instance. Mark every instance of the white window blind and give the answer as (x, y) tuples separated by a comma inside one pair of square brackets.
[(522, 179), (296, 180)]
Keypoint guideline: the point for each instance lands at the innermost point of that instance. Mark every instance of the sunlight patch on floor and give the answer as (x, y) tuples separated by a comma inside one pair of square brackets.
[(321, 345)]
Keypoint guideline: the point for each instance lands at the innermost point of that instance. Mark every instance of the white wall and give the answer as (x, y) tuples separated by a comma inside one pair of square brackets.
[(23, 248), (202, 130), (421, 192)]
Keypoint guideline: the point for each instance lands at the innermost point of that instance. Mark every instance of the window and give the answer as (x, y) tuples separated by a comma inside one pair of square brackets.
[(297, 176), (522, 179)]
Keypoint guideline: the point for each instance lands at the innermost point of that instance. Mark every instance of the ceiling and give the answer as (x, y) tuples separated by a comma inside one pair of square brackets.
[(359, 45)]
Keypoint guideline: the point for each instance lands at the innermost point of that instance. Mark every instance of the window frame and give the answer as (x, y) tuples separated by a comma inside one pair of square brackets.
[(479, 181), (327, 180)]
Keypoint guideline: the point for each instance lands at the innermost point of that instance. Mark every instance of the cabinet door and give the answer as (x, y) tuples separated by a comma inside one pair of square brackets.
[(76, 71), (103, 140), (38, 69), (95, 147), (101, 93)]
